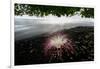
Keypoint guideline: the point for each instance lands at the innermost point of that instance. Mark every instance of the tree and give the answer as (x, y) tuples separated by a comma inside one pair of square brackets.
[(45, 10)]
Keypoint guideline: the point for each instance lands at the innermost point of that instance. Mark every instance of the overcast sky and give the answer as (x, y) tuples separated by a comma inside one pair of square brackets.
[(58, 20)]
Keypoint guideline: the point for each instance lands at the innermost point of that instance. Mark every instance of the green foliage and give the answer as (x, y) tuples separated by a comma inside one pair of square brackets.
[(45, 10)]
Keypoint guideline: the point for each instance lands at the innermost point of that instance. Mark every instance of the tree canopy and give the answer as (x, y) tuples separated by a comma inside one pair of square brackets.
[(45, 10)]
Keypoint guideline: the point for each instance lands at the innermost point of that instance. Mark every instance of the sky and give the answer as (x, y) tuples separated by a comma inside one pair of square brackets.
[(51, 19)]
